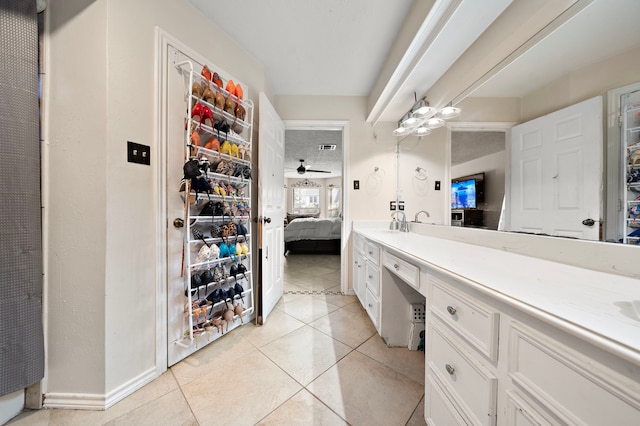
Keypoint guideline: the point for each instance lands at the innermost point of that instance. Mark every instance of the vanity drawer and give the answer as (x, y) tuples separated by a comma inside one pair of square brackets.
[(373, 253), (372, 306), (472, 386), (373, 279), (438, 409), (474, 321), (405, 270)]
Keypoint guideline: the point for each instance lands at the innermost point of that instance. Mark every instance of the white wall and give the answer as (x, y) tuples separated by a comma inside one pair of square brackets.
[(103, 243)]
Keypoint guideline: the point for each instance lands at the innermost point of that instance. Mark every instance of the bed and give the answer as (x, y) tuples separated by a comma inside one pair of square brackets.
[(313, 236)]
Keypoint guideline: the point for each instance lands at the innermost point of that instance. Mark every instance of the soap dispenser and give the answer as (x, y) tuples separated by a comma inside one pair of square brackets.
[(394, 224)]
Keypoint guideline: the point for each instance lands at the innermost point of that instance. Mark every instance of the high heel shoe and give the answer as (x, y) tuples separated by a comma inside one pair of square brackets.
[(230, 106), (206, 73)]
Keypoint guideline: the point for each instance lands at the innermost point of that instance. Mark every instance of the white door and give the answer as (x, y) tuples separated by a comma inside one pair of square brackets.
[(271, 207), (556, 172)]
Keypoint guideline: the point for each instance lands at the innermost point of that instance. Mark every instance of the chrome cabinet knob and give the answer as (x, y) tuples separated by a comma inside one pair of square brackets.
[(450, 369), (451, 310), (395, 265)]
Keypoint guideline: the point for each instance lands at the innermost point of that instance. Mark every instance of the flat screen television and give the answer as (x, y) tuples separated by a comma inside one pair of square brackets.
[(463, 194)]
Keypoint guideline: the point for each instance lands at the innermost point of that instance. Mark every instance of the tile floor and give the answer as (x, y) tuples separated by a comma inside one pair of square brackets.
[(317, 361)]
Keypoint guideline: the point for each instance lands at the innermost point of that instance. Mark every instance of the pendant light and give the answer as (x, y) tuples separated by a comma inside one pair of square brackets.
[(449, 112), (422, 109), (434, 122), (421, 131)]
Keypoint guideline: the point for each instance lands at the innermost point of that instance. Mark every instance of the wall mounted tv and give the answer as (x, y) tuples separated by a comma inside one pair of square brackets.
[(467, 192)]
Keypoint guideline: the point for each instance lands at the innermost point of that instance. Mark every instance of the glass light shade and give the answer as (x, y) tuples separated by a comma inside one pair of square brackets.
[(410, 122), (401, 131), (424, 110), (421, 131), (449, 112), (434, 123)]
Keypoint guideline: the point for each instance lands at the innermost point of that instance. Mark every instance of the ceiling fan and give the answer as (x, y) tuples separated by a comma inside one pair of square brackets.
[(302, 169)]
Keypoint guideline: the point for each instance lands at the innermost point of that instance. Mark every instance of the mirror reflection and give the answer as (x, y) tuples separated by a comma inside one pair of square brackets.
[(592, 55)]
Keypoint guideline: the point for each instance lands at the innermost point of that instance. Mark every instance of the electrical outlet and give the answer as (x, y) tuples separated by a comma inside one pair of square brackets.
[(356, 184), (392, 205), (437, 185)]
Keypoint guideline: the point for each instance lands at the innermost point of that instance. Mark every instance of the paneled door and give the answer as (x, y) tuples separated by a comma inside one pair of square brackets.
[(271, 208), (556, 173)]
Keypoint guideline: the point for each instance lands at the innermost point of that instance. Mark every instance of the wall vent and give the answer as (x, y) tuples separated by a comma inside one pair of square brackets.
[(327, 147)]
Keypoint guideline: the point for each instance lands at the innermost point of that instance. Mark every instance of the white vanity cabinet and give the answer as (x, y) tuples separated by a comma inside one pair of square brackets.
[(366, 276), (499, 366)]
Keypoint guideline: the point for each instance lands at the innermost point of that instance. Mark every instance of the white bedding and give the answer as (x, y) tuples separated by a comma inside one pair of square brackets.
[(313, 229)]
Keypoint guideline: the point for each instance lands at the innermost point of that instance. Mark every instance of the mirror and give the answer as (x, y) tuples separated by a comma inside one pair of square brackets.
[(589, 55)]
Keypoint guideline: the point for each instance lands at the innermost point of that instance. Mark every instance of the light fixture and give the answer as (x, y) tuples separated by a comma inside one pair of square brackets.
[(434, 123), (449, 112), (421, 131), (422, 109), (422, 117)]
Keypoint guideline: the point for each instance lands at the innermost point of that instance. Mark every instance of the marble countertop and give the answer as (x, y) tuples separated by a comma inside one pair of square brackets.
[(599, 307)]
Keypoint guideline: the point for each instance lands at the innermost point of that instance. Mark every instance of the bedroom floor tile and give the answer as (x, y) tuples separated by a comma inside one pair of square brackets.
[(307, 309)]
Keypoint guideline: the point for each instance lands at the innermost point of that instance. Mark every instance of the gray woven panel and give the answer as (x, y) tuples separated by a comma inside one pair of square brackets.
[(21, 335)]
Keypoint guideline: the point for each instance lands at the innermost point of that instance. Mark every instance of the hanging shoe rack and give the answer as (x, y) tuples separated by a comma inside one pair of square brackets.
[(209, 286), (631, 160)]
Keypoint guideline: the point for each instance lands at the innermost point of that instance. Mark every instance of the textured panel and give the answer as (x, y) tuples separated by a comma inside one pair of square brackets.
[(531, 184), (21, 338), (531, 140)]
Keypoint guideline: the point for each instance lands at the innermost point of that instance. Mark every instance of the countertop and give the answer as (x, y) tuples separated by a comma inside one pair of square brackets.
[(596, 306)]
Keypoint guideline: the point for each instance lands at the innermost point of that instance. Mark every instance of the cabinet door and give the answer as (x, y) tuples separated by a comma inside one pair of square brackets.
[(359, 267)]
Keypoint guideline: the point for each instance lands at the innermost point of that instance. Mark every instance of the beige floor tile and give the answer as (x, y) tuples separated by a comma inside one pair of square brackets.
[(316, 283), (335, 299), (240, 393), (303, 409), (297, 277), (293, 287), (365, 392), (170, 409), (31, 418), (335, 276), (355, 307), (317, 270), (346, 325), (278, 324), (417, 418), (223, 350), (307, 309), (305, 353), (402, 360)]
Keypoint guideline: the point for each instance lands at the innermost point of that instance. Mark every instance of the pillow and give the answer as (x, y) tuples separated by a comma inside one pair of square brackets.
[(291, 216)]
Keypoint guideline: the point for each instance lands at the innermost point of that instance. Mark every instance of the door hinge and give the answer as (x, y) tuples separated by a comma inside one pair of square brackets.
[(619, 120)]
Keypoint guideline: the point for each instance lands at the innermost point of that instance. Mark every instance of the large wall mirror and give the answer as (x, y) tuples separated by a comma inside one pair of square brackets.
[(590, 55)]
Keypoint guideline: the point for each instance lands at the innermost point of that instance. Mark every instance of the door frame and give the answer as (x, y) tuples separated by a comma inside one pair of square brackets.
[(342, 125), (476, 126), (613, 180)]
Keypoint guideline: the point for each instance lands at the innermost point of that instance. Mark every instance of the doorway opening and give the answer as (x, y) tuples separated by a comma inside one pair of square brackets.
[(316, 207)]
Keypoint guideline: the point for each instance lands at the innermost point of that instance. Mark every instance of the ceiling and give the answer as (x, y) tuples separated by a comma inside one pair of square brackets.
[(304, 145), (315, 48)]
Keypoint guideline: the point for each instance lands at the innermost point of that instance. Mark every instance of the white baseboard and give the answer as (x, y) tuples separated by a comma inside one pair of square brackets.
[(77, 401), (11, 405)]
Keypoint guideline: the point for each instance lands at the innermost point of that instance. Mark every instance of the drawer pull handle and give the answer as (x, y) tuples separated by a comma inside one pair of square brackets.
[(450, 369), (451, 310), (395, 265)]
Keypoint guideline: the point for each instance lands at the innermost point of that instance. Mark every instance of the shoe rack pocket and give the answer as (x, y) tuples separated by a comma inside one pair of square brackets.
[(218, 280)]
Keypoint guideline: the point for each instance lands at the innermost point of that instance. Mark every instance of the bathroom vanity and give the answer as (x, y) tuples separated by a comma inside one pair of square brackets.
[(510, 339)]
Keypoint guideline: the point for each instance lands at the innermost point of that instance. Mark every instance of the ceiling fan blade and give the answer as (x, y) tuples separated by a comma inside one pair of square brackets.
[(318, 171)]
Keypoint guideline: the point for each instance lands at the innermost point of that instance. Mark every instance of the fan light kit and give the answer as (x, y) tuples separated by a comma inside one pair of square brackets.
[(422, 117)]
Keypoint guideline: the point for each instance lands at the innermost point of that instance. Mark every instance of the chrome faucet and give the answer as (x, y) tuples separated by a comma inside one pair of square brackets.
[(404, 227), (417, 214)]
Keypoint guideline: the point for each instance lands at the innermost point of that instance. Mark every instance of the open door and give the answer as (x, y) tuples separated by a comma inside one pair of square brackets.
[(556, 172), (271, 205)]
